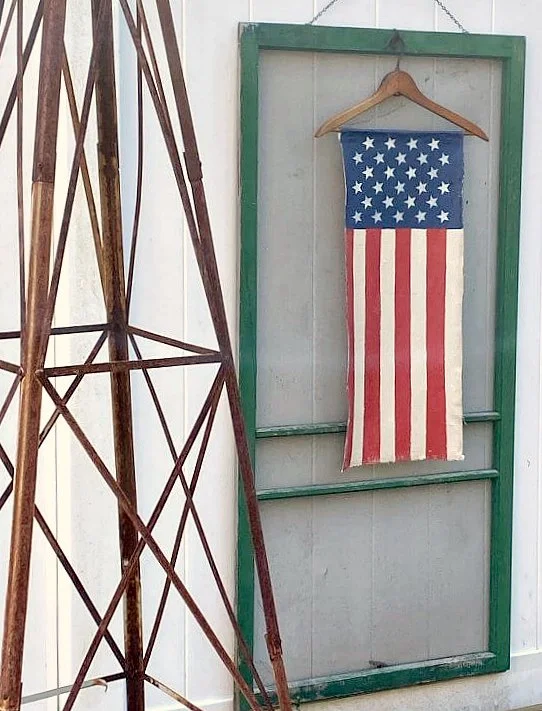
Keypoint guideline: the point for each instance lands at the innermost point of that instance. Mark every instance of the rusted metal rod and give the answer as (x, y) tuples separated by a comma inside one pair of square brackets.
[(177, 544), (7, 25), (156, 400), (5, 495), (60, 331), (190, 505), (171, 693), (204, 251), (99, 24), (218, 312), (168, 341), (123, 366), (10, 367), (64, 561), (115, 303), (148, 539), (43, 180), (9, 397), (102, 681), (20, 187), (4, 121), (139, 185), (36, 330), (72, 388), (91, 204), (214, 394)]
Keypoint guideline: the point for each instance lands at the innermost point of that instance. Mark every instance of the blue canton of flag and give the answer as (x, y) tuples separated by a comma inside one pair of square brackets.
[(411, 179)]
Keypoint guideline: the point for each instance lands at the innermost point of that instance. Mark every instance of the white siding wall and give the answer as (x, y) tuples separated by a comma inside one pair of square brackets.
[(208, 30)]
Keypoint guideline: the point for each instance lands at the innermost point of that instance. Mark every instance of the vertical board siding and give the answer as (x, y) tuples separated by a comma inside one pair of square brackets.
[(527, 553), (211, 55)]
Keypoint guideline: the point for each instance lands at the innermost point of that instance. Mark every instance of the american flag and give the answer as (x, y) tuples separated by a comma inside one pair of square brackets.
[(404, 281)]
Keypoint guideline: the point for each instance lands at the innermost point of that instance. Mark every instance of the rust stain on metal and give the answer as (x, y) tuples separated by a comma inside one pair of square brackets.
[(31, 391), (36, 329)]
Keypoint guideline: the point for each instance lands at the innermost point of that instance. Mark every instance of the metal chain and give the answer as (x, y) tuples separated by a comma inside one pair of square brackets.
[(440, 3), (452, 17), (322, 12)]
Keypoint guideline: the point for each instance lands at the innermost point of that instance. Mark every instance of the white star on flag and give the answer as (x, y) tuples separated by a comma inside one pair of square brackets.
[(377, 187), (357, 216), (411, 172), (443, 216), (390, 143), (357, 187), (434, 144), (432, 202), (422, 158), (377, 217), (388, 201), (368, 172), (389, 172), (421, 187), (443, 187), (369, 143), (413, 143), (400, 187), (420, 216), (410, 201), (367, 202), (400, 158), (398, 216), (379, 158), (358, 158), (433, 173), (444, 159)]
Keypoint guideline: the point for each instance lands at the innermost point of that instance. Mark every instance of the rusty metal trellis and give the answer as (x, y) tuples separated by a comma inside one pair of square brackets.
[(38, 295)]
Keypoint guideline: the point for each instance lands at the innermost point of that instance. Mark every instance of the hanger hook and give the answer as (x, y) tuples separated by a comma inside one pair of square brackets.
[(397, 45)]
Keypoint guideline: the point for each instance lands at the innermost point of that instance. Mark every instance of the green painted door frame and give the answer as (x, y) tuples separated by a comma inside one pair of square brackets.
[(511, 52)]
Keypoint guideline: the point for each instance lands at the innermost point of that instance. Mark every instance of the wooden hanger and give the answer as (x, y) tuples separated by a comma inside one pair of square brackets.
[(399, 83)]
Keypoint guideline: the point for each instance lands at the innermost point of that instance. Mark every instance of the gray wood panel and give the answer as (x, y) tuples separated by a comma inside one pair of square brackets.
[(289, 538), (285, 253), (387, 576)]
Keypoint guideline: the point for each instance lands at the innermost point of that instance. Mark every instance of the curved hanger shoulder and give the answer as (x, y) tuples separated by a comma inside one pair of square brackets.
[(400, 83)]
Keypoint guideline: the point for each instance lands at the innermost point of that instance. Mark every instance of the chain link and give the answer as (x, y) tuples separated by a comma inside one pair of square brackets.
[(452, 17), (322, 12), (440, 3)]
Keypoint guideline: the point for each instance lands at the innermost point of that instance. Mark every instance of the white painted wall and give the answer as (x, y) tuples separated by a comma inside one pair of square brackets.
[(208, 30)]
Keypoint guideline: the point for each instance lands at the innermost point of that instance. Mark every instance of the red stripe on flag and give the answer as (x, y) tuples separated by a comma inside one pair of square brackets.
[(349, 236), (371, 421), (402, 344), (436, 386)]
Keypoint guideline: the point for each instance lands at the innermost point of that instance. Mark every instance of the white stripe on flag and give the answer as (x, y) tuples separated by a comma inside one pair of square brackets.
[(453, 362), (418, 324), (359, 344), (387, 346)]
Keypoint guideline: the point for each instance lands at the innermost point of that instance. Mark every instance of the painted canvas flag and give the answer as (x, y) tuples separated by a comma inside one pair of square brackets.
[(404, 283)]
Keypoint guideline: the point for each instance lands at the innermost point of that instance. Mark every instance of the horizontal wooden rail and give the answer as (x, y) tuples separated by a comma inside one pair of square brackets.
[(295, 492), (323, 428)]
